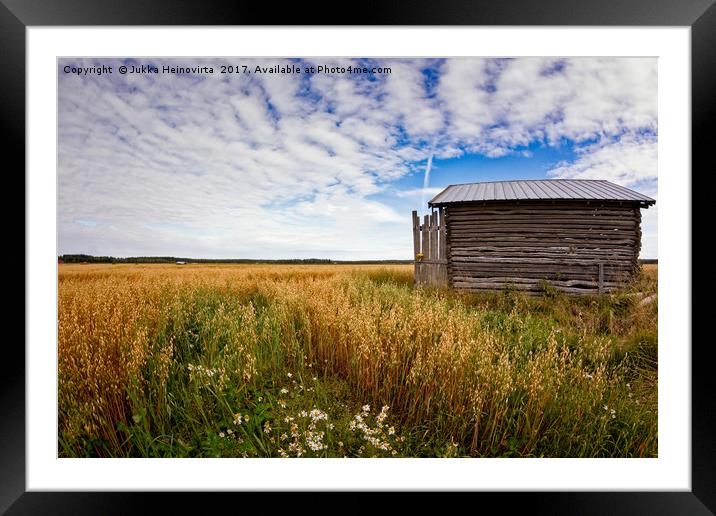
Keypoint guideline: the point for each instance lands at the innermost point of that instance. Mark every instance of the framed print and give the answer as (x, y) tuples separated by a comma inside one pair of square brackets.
[(416, 253)]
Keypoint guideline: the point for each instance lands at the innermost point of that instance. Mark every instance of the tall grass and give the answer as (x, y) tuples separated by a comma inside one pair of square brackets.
[(254, 360)]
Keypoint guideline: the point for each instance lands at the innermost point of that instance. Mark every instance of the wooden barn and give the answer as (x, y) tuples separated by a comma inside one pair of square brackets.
[(576, 236)]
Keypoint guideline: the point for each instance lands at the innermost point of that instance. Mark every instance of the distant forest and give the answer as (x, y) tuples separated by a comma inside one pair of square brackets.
[(86, 258)]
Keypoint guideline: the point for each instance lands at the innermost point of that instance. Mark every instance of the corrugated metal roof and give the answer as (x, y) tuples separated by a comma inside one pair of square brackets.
[(542, 189)]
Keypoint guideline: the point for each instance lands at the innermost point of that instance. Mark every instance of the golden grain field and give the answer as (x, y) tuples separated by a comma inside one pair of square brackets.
[(346, 360)]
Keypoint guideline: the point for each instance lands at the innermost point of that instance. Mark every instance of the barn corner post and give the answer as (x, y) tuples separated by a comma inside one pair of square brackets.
[(443, 249)]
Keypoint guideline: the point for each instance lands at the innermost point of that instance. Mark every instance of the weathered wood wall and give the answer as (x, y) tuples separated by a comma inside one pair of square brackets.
[(577, 248), (430, 250)]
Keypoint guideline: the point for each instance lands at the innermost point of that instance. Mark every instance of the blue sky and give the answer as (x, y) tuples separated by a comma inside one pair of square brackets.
[(330, 165)]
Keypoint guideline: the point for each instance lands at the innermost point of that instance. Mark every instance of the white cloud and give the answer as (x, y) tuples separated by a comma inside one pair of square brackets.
[(629, 162), (250, 165), (417, 193), (649, 231), (407, 98), (495, 106)]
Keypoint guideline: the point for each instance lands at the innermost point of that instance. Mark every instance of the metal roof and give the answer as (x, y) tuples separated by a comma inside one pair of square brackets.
[(541, 189)]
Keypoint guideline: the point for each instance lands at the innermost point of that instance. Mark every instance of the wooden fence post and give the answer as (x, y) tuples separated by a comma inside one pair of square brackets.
[(416, 234), (426, 238), (430, 242), (433, 240)]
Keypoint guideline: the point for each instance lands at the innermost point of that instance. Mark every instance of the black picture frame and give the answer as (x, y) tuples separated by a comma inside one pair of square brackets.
[(17, 15)]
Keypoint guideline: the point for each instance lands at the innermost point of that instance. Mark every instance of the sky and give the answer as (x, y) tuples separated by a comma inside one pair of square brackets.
[(330, 164)]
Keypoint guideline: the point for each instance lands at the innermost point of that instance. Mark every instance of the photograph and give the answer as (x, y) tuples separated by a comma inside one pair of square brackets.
[(357, 257)]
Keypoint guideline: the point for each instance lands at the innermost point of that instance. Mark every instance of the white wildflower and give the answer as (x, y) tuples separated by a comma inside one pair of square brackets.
[(383, 414), (318, 415)]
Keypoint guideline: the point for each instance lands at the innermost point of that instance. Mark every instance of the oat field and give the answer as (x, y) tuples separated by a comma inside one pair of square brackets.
[(346, 361)]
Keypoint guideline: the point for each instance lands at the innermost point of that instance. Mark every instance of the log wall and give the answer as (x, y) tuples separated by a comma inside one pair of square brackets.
[(577, 248)]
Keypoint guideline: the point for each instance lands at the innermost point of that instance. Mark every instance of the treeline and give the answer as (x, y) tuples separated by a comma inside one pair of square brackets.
[(86, 258)]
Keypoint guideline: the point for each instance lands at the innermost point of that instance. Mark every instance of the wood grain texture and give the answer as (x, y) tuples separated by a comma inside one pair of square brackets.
[(429, 237), (574, 247)]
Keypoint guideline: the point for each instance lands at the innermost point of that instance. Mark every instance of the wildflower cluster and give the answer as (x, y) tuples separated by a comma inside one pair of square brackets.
[(233, 433), (230, 434), (298, 387), (204, 375), (379, 435), (612, 412), (304, 434)]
